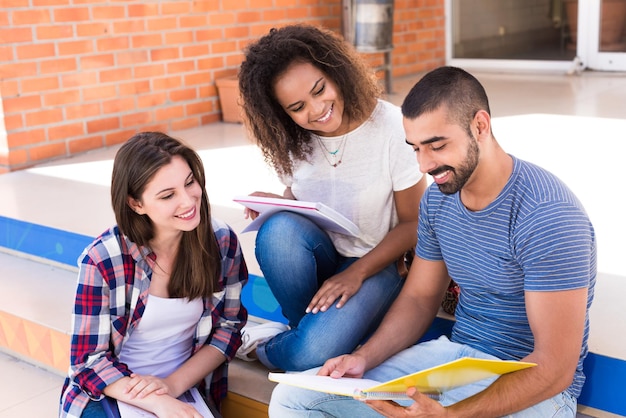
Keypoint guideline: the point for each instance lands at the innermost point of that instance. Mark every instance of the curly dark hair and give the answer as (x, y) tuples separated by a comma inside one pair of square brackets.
[(281, 140)]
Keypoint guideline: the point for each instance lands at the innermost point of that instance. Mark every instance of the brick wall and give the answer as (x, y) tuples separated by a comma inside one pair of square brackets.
[(76, 75)]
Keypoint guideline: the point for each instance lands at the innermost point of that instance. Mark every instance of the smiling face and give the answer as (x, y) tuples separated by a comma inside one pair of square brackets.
[(171, 199), (311, 99), (444, 149)]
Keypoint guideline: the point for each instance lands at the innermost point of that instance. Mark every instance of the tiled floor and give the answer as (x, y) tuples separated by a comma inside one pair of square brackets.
[(586, 116)]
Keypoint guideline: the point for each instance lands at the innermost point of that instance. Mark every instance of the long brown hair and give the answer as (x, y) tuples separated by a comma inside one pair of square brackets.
[(282, 140), (197, 266)]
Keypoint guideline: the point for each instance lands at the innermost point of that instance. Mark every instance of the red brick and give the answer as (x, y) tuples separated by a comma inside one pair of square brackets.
[(61, 98), (9, 88), (66, 131), (222, 19), (85, 144), (131, 57), (209, 35), (223, 47), (39, 84), (118, 137), (38, 3), (57, 66), (97, 61), (175, 8), (181, 67), (197, 108), (82, 111), (143, 10), (162, 24), (146, 41), (29, 137), (149, 71), (134, 87), (108, 12), (104, 124), (210, 63), (183, 95), (47, 151), (164, 54), (54, 32), (118, 105), (18, 157), (195, 21), (13, 122), (21, 104), (99, 92), (85, 30), (137, 119), (111, 44), (75, 47), (167, 83), (195, 51), (14, 3), (205, 6), (179, 37), (237, 32), (170, 112), (152, 100), (84, 78), (247, 17), (188, 123), (32, 16), (129, 26), (71, 14), (117, 74), (43, 117), (25, 52), (197, 78), (6, 53), (16, 34)]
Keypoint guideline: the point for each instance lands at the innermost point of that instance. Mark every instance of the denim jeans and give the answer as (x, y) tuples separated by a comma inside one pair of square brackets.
[(94, 410), (290, 402), (296, 257)]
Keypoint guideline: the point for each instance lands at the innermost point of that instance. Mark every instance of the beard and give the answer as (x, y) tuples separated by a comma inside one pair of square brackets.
[(461, 174)]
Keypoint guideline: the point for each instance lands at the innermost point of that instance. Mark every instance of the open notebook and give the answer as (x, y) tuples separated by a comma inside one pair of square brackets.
[(118, 409), (324, 216), (432, 381)]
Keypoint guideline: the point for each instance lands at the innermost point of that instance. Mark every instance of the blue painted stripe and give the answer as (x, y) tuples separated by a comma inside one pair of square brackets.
[(42, 241), (603, 388)]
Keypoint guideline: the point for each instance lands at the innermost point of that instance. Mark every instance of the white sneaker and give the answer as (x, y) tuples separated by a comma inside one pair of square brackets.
[(251, 336)]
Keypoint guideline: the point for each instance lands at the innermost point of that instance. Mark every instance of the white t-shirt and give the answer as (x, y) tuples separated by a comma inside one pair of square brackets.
[(163, 340), (375, 162)]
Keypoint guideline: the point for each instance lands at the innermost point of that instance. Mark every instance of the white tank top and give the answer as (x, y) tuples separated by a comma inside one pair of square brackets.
[(163, 339)]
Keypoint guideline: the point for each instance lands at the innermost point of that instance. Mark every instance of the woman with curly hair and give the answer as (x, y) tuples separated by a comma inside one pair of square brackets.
[(314, 108)]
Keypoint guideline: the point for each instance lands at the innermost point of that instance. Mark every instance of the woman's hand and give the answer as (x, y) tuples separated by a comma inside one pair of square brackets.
[(252, 214), (140, 386), (341, 286), (169, 407)]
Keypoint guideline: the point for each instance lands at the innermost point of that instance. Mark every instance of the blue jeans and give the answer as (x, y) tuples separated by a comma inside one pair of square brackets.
[(296, 257), (290, 402)]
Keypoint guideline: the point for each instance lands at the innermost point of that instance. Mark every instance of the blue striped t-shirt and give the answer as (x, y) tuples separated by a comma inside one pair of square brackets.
[(535, 236)]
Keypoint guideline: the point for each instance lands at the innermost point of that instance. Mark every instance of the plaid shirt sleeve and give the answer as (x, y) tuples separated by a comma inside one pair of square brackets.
[(100, 319), (227, 312)]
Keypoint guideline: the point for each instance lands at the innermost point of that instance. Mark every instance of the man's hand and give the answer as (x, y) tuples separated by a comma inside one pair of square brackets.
[(423, 407), (348, 365)]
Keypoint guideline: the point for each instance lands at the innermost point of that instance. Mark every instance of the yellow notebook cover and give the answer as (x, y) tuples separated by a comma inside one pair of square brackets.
[(432, 381)]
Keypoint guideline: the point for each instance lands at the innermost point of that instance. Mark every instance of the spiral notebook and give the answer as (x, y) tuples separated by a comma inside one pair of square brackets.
[(433, 381)]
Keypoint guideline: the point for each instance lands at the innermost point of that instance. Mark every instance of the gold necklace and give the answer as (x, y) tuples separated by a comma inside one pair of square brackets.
[(342, 147)]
